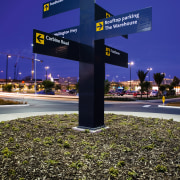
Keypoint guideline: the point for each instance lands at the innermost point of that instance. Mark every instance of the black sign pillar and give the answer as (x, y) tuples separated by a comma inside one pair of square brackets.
[(91, 82)]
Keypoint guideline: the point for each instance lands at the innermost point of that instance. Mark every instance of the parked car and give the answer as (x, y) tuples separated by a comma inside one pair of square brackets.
[(120, 92), (136, 93), (44, 92), (154, 93), (111, 92), (130, 92), (167, 93), (72, 91)]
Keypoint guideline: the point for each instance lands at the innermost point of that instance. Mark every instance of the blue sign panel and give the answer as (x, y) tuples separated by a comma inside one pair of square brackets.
[(73, 33), (111, 55), (115, 57), (59, 6), (101, 13), (69, 33), (133, 22), (48, 44)]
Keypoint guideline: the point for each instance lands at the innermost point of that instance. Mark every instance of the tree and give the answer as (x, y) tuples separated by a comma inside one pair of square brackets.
[(175, 82), (106, 86), (147, 86), (162, 88), (7, 87), (77, 86), (158, 78), (57, 86), (141, 75), (21, 86), (48, 85)]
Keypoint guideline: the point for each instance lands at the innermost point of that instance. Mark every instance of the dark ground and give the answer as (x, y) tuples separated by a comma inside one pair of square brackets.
[(46, 148)]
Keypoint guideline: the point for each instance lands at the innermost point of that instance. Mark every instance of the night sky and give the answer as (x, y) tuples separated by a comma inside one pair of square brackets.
[(158, 49)]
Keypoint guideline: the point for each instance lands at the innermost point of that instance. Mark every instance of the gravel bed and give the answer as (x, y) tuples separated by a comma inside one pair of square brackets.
[(47, 148)]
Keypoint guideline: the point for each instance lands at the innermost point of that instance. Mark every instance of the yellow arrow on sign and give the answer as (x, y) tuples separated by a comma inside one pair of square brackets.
[(46, 7), (108, 51), (40, 38), (100, 26), (108, 15)]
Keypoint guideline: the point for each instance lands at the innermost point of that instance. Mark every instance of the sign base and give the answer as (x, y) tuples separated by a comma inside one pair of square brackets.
[(91, 130)]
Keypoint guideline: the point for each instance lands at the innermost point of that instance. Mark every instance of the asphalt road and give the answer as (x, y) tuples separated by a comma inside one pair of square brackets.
[(40, 104)]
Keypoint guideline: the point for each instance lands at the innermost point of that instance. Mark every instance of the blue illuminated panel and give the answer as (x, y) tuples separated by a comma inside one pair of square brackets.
[(133, 22), (59, 6)]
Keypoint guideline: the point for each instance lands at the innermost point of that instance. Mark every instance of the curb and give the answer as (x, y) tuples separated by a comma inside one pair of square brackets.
[(173, 107), (15, 105), (13, 116)]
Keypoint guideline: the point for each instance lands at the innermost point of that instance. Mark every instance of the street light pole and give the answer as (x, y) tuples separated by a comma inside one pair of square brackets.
[(19, 78), (8, 56), (35, 58), (149, 69), (46, 68), (131, 63), (130, 77)]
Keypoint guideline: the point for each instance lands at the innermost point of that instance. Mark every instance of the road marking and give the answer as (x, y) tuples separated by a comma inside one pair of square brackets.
[(146, 106)]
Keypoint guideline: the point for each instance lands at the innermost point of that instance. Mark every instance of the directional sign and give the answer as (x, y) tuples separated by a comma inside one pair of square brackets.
[(73, 32), (59, 6), (133, 22), (48, 44), (115, 57), (101, 13), (69, 33)]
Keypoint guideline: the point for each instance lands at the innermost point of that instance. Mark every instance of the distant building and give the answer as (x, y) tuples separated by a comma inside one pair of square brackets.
[(135, 85), (68, 82)]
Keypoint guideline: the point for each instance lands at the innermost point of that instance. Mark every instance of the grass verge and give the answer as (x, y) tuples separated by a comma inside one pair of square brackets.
[(10, 102), (173, 104), (46, 147)]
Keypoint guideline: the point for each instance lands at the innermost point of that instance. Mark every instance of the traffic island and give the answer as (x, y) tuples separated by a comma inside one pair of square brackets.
[(46, 147)]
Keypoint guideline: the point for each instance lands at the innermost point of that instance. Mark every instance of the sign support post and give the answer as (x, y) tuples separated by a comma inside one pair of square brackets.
[(91, 89)]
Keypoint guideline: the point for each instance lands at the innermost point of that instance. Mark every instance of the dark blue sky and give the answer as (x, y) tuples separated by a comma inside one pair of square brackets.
[(158, 49)]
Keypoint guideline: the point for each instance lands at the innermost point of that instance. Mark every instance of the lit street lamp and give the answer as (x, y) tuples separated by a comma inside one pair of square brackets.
[(107, 75), (19, 80), (2, 71), (149, 69), (46, 68), (8, 56), (34, 72), (35, 59), (130, 63), (19, 75)]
